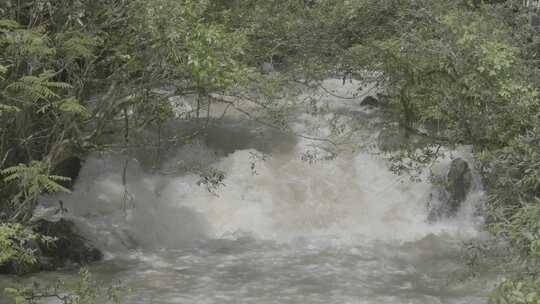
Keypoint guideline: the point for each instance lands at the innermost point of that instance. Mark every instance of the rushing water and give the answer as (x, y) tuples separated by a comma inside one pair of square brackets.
[(278, 230)]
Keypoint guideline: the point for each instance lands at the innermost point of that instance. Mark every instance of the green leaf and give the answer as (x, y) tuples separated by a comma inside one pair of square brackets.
[(72, 106), (8, 109), (8, 24), (20, 300), (11, 291)]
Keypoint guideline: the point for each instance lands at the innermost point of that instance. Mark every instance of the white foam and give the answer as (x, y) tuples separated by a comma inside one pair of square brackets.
[(352, 197)]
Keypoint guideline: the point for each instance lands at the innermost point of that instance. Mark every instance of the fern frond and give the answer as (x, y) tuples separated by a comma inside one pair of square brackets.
[(8, 109), (8, 24), (11, 178), (47, 183), (37, 87), (58, 85), (79, 46), (72, 106), (33, 178), (29, 43), (60, 178), (11, 170)]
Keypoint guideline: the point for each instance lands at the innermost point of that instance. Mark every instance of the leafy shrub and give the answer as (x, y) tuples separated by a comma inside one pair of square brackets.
[(84, 291), (13, 244), (521, 291)]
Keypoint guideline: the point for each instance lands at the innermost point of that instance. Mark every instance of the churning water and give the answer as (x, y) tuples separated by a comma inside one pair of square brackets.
[(280, 227)]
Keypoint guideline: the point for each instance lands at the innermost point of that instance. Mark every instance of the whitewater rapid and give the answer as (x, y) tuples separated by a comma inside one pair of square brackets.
[(279, 227)]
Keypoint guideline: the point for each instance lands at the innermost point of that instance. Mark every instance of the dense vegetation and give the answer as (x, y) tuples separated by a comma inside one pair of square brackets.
[(75, 74)]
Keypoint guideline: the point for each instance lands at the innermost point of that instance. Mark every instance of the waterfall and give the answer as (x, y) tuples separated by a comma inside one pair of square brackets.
[(269, 217), (281, 196)]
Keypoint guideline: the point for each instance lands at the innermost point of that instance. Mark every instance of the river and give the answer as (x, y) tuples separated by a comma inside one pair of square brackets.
[(284, 225)]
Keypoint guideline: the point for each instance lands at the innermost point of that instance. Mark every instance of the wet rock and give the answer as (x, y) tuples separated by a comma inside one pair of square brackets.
[(370, 101), (445, 200), (459, 183), (68, 248), (70, 167)]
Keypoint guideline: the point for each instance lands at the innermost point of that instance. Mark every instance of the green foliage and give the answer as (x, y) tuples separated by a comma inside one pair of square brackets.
[(26, 46), (3, 71), (523, 291), (13, 244), (450, 68), (462, 73), (36, 88), (211, 57), (69, 70), (84, 291), (524, 230), (514, 185), (76, 46), (32, 180), (72, 106)]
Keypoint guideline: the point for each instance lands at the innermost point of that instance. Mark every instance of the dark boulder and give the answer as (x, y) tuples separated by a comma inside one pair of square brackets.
[(446, 200), (67, 248), (459, 183), (370, 101), (69, 167)]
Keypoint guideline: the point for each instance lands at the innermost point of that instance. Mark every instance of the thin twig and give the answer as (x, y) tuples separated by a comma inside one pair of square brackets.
[(270, 125)]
